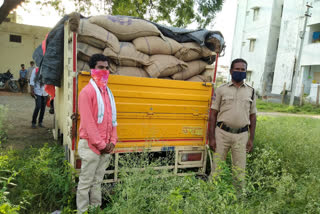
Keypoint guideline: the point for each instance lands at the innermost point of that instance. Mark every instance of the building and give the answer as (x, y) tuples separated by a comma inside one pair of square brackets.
[(289, 45), (256, 39), (17, 43), (267, 35)]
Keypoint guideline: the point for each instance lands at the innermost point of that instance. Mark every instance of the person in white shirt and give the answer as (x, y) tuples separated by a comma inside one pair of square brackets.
[(30, 69), (40, 96)]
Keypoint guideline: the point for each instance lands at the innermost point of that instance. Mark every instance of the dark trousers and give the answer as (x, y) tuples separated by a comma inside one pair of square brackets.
[(40, 106), (22, 83)]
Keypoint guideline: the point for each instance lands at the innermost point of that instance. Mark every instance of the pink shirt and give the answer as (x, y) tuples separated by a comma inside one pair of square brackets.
[(97, 135)]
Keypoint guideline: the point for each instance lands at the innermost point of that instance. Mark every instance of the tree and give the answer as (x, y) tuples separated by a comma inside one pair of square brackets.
[(178, 13), (6, 7)]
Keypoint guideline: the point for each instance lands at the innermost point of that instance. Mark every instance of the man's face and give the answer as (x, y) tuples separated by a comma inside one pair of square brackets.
[(102, 65), (239, 66), (22, 67)]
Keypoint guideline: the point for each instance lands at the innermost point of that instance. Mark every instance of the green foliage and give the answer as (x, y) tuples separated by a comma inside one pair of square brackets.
[(3, 129), (44, 180), (6, 207), (178, 13), (277, 107)]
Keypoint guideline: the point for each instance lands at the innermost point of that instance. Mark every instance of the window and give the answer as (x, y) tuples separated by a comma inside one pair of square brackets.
[(15, 38), (255, 13), (281, 10), (252, 44), (243, 43), (316, 77)]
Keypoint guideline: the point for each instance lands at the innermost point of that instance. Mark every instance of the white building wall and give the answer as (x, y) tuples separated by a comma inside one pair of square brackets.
[(277, 43), (265, 31), (272, 44), (291, 27), (12, 53)]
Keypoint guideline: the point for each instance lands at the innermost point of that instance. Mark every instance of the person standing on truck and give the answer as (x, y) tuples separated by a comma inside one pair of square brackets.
[(233, 117), (98, 133), (40, 95)]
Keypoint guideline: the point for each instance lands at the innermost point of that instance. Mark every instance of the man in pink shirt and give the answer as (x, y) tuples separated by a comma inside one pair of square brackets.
[(98, 133)]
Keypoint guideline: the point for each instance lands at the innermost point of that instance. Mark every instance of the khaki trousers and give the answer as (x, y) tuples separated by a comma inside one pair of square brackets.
[(237, 143), (93, 168)]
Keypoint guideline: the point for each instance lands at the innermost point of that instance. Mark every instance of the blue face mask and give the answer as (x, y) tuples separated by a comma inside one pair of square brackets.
[(238, 76)]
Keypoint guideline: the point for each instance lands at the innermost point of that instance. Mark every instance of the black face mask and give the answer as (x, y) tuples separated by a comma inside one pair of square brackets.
[(238, 76)]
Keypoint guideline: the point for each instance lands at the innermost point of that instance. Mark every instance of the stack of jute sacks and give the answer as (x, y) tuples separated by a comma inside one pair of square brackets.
[(137, 48)]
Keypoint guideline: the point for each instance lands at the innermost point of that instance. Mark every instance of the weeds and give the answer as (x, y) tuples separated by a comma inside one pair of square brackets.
[(43, 179), (3, 129), (277, 107)]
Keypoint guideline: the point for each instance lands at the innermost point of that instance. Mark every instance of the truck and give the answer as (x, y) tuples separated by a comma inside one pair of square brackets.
[(154, 115)]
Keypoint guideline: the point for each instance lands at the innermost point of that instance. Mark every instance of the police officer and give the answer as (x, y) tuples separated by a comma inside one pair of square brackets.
[(233, 117)]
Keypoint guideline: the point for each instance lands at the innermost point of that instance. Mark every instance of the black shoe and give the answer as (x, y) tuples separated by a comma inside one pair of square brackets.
[(33, 126), (51, 111), (40, 125)]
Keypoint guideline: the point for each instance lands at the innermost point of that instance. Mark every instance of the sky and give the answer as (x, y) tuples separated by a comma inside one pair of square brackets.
[(224, 22)]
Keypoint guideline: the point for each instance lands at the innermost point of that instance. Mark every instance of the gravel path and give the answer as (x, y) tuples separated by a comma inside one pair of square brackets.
[(288, 115)]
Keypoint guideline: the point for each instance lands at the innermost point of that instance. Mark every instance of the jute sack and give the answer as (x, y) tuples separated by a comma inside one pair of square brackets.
[(200, 78), (91, 30), (164, 66), (85, 51), (156, 45), (192, 51), (127, 56), (92, 41), (125, 28), (131, 71), (112, 66), (82, 66), (194, 68), (208, 72)]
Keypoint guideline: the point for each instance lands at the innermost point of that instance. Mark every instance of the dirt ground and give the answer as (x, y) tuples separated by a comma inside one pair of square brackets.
[(20, 134)]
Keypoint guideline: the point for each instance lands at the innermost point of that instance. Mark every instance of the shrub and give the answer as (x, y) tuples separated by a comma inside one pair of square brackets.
[(43, 178), (3, 129)]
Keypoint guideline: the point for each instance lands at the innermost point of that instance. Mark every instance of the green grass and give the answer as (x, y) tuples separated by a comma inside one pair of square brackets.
[(42, 178), (264, 106)]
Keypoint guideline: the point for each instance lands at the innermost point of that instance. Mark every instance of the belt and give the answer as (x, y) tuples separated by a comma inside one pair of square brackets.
[(221, 125)]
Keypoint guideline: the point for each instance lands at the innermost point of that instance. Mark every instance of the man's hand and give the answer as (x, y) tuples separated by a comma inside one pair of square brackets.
[(32, 94), (32, 91), (249, 145), (213, 144), (108, 149)]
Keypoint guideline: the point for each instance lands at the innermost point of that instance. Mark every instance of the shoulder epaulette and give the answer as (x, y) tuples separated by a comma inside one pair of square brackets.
[(224, 84), (252, 96), (249, 85)]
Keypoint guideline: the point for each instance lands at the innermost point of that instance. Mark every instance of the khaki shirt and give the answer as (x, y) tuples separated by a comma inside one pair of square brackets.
[(234, 105)]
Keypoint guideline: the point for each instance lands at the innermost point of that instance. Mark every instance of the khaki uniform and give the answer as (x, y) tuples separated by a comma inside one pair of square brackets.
[(234, 106)]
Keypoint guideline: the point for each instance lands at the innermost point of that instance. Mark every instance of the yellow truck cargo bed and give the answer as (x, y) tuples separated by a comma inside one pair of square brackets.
[(158, 112)]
